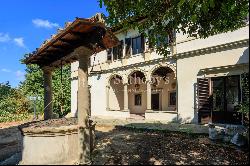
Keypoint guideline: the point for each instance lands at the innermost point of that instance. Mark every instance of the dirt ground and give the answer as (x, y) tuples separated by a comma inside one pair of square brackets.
[(128, 146), (9, 124), (136, 147)]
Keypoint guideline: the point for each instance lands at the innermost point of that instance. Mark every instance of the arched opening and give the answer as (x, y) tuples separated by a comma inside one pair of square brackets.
[(137, 94), (116, 97), (163, 89)]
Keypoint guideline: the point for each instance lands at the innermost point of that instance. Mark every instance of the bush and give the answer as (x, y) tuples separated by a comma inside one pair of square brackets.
[(13, 105), (9, 117)]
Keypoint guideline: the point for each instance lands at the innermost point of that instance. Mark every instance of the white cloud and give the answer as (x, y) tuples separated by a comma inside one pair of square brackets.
[(4, 37), (20, 75), (19, 41), (44, 24), (6, 70)]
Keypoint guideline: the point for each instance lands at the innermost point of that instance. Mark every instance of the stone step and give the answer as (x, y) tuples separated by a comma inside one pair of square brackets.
[(137, 116)]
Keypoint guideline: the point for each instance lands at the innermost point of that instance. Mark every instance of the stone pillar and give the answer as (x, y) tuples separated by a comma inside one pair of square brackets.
[(89, 100), (125, 86), (83, 111), (107, 98), (149, 96), (48, 109)]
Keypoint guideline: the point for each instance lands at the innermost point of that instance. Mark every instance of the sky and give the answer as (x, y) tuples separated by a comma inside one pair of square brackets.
[(26, 24)]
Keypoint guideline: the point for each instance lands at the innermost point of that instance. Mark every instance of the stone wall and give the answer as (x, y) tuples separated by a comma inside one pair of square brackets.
[(10, 145)]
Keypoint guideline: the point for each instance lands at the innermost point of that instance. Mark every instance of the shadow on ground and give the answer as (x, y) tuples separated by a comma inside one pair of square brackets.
[(133, 144), (130, 146)]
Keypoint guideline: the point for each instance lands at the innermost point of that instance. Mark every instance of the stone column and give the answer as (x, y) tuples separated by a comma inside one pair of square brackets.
[(48, 109), (149, 96), (125, 86), (83, 111), (107, 98), (89, 100)]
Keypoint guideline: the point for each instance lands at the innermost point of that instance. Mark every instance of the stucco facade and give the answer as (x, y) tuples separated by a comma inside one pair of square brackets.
[(175, 96)]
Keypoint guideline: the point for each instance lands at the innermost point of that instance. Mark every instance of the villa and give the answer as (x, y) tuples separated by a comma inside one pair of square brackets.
[(200, 81)]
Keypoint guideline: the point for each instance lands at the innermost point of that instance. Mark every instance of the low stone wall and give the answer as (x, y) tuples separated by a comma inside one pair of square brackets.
[(10, 145), (226, 133), (50, 145)]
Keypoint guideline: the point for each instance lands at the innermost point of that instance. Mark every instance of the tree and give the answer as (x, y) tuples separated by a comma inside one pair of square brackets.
[(197, 18), (13, 105), (5, 89), (33, 86)]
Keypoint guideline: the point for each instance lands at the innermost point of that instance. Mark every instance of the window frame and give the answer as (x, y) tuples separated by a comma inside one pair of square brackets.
[(138, 39), (169, 97), (135, 99), (109, 54), (166, 42), (115, 53), (225, 82)]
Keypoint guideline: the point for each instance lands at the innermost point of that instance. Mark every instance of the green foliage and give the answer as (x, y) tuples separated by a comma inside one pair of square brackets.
[(8, 117), (244, 106), (33, 86), (13, 105), (197, 18), (5, 90), (62, 91)]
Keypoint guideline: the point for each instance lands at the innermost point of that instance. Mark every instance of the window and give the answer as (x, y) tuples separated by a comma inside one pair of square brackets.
[(109, 54), (162, 41), (89, 64), (137, 45), (115, 52), (118, 51), (155, 101), (172, 98), (128, 47), (138, 99), (226, 93)]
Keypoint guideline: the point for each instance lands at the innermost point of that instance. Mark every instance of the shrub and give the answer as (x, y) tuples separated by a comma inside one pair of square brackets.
[(13, 105)]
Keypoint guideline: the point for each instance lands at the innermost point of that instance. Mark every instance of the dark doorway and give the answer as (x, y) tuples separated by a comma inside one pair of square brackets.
[(226, 97), (155, 101)]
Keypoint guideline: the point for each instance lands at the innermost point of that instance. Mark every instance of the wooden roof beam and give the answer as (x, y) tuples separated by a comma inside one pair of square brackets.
[(57, 51), (70, 56)]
